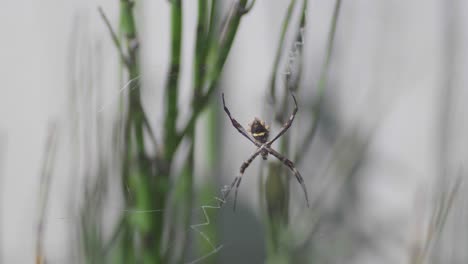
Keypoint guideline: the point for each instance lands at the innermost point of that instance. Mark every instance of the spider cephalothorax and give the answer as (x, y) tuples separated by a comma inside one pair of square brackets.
[(259, 133)]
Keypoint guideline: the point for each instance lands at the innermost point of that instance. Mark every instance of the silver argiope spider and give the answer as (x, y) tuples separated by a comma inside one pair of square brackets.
[(259, 133)]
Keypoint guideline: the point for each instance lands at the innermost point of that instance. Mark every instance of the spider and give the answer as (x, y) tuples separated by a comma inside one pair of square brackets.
[(259, 133)]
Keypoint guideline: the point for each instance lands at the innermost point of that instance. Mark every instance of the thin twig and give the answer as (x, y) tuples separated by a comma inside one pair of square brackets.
[(44, 191), (150, 130), (123, 57), (115, 235), (437, 223)]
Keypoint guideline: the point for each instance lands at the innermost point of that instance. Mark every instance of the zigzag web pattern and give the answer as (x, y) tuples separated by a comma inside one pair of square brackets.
[(130, 85), (195, 227)]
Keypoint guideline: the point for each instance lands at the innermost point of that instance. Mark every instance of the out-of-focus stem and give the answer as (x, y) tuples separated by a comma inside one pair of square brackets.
[(44, 190), (200, 50), (321, 85), (172, 84), (276, 212), (187, 193), (138, 174), (277, 194), (227, 37), (208, 189), (284, 29), (115, 38)]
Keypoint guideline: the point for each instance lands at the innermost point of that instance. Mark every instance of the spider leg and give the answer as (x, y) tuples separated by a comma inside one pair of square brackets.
[(237, 180), (291, 166), (238, 126), (287, 124)]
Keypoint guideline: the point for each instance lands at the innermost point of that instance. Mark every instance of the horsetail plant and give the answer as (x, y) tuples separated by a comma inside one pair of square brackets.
[(149, 176), (276, 190)]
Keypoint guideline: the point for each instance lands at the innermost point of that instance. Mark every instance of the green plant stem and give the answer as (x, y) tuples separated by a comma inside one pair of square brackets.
[(211, 40), (138, 175), (250, 6), (317, 106), (297, 48), (114, 36), (204, 43), (279, 50), (277, 193), (151, 184), (173, 80), (227, 38), (200, 51), (189, 194), (304, 13), (127, 28), (208, 189), (331, 37), (211, 24)]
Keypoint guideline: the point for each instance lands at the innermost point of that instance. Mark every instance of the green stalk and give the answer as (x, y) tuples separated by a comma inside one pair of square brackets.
[(279, 51), (228, 34), (316, 108), (200, 50), (173, 80), (211, 24), (208, 189), (277, 200), (183, 200), (276, 186), (199, 69), (331, 37), (200, 100), (150, 191), (184, 186), (115, 38), (290, 86), (160, 183), (204, 43), (277, 178), (148, 184)]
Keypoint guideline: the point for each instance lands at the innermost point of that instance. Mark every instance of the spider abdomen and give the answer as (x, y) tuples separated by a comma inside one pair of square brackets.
[(259, 130)]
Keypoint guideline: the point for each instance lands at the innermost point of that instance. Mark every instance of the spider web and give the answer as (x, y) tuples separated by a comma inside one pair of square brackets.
[(196, 227)]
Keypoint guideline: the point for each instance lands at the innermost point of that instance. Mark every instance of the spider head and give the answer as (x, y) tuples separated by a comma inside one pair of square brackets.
[(259, 130)]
